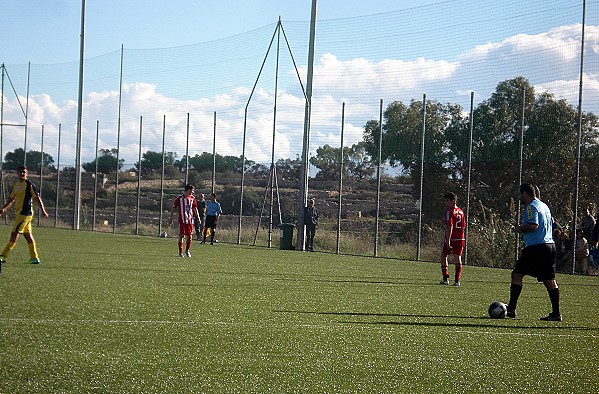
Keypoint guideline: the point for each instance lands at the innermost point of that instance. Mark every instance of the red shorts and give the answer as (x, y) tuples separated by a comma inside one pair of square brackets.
[(185, 229), (457, 247)]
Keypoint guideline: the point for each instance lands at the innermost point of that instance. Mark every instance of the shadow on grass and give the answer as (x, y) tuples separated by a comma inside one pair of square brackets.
[(552, 326)]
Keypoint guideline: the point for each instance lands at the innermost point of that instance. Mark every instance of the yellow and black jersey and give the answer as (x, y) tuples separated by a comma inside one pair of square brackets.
[(23, 192)]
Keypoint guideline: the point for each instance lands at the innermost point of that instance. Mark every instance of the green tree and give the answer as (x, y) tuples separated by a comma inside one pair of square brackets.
[(401, 146), (205, 163), (107, 162), (495, 143), (549, 152), (327, 162), (288, 169), (152, 161), (358, 163), (16, 158)]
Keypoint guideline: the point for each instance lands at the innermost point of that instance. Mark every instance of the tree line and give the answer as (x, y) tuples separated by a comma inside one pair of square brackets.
[(549, 151)]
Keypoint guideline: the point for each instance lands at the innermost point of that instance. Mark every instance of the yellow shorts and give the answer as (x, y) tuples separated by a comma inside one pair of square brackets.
[(22, 224)]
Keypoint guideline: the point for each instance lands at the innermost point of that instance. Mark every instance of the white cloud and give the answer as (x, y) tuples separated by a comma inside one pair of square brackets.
[(550, 60)]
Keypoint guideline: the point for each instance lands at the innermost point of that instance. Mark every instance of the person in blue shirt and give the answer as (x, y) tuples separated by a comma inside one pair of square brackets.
[(538, 256), (213, 212)]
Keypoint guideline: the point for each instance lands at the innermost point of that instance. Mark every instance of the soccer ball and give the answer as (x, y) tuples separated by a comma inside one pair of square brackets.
[(497, 310)]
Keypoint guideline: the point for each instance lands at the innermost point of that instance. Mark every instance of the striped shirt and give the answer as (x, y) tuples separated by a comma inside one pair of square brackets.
[(186, 207)]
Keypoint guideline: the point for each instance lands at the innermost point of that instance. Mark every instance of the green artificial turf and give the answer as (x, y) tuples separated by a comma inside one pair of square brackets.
[(108, 313)]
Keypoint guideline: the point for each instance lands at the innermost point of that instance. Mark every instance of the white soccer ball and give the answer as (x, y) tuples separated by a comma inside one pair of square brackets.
[(497, 310)]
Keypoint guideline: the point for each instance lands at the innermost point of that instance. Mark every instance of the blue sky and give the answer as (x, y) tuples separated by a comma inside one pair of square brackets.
[(47, 32), (202, 57)]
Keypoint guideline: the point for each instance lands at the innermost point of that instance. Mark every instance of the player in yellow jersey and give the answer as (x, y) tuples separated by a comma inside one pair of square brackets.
[(22, 195)]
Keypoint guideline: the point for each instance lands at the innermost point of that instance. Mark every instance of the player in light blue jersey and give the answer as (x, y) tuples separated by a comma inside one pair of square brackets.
[(213, 212), (538, 256)]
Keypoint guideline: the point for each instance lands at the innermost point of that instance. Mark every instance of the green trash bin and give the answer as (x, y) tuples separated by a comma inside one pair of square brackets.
[(286, 240)]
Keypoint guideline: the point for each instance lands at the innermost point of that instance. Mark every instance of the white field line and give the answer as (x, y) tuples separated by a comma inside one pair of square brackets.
[(330, 327)]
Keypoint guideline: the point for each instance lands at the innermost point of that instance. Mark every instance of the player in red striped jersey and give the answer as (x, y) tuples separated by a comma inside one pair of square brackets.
[(454, 240), (186, 207)]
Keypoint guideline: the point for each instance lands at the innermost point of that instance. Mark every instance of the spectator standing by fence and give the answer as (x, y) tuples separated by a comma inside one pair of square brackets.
[(587, 223), (581, 253), (199, 221), (311, 221)]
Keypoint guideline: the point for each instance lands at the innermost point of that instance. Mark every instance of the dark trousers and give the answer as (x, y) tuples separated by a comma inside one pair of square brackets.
[(199, 225), (310, 232)]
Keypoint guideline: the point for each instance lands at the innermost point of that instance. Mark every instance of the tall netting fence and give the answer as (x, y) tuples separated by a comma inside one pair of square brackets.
[(228, 117)]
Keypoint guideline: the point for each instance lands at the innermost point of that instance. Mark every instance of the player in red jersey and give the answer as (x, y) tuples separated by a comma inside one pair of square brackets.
[(454, 240), (187, 209)]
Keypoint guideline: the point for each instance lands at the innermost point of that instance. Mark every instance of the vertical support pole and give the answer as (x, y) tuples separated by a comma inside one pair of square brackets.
[(337, 248), (139, 177), (96, 178), (26, 115), (2, 137), (422, 139), (58, 177), (118, 146), (214, 153), (273, 171), (39, 213), (305, 171), (242, 180), (579, 135), (187, 153), (378, 181), (469, 181), (77, 194), (520, 162), (162, 177)]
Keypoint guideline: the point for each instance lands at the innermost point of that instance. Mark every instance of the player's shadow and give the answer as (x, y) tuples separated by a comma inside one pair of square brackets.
[(439, 322)]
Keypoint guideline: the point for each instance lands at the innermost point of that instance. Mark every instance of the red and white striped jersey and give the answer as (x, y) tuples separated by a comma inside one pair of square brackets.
[(186, 207)]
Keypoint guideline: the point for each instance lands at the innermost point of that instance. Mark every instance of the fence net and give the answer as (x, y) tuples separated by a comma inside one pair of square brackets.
[(201, 107)]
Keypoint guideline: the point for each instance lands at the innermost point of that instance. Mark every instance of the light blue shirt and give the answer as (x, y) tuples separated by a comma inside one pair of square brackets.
[(537, 212), (213, 208)]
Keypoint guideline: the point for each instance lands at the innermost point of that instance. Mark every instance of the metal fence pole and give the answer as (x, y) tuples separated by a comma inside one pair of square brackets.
[(337, 248), (214, 154), (58, 177), (469, 181), (26, 114), (419, 241), (520, 162), (273, 172), (118, 144), (2, 137), (378, 180), (96, 179), (305, 171), (162, 177), (139, 177), (578, 138), (187, 152), (39, 211)]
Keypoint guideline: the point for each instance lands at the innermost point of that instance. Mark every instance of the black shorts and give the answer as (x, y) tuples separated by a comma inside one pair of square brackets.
[(538, 261), (210, 221)]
